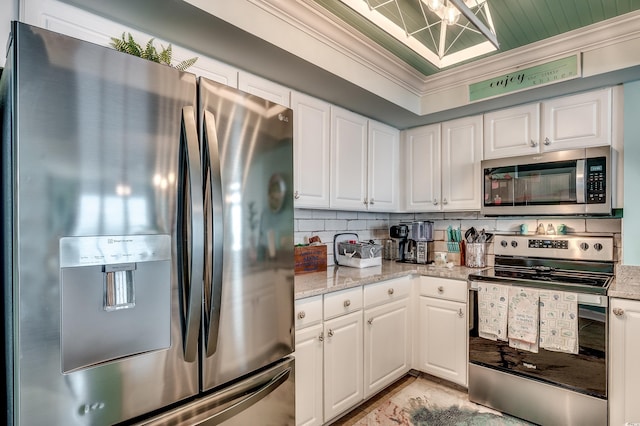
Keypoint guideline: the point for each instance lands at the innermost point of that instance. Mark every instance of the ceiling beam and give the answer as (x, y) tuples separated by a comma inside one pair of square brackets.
[(468, 13)]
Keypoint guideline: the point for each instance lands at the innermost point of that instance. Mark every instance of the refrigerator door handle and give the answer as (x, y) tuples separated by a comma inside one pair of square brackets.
[(227, 403), (190, 234), (215, 231), (255, 396)]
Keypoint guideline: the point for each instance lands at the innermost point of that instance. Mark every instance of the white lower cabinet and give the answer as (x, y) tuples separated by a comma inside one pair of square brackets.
[(309, 363), (624, 369), (443, 328), (343, 385), (387, 334)]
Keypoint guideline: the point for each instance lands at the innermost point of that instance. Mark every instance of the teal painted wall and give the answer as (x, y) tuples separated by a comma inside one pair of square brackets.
[(631, 219)]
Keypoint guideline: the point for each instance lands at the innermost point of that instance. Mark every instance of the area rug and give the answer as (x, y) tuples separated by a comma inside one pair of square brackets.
[(424, 402)]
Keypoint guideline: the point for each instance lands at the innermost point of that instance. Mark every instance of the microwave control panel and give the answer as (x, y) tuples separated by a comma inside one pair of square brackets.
[(596, 181)]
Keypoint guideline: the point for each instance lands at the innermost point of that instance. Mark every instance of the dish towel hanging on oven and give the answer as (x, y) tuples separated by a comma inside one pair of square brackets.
[(559, 321), (523, 325), (493, 302)]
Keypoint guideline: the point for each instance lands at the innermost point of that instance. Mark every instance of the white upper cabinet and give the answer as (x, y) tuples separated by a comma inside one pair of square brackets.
[(511, 132), (382, 167), (311, 150), (443, 166), (348, 160), (364, 163), (264, 88), (461, 156), (421, 152), (577, 121), (568, 122)]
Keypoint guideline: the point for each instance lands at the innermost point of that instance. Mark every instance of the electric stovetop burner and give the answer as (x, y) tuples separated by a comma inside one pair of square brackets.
[(572, 263)]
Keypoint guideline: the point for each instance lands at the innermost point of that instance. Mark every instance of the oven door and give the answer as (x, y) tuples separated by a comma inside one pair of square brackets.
[(585, 372)]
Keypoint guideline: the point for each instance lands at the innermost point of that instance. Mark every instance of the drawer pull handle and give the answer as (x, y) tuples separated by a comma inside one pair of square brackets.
[(370, 321), (330, 333), (618, 312), (301, 315), (321, 337), (440, 289), (390, 291), (460, 313), (347, 303)]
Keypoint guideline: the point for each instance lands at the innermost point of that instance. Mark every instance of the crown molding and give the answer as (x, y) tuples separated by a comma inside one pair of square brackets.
[(315, 21), (602, 34)]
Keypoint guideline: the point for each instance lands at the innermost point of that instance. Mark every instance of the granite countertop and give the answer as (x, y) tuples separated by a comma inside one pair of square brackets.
[(342, 277), (627, 283)]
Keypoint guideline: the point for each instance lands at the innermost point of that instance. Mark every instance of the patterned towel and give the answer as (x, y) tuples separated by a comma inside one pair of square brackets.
[(559, 321), (523, 324), (492, 311)]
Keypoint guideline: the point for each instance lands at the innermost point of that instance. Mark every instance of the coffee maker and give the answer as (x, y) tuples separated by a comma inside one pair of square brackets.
[(400, 233), (421, 241)]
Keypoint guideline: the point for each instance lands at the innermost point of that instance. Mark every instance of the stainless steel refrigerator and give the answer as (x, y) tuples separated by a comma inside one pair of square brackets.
[(147, 256)]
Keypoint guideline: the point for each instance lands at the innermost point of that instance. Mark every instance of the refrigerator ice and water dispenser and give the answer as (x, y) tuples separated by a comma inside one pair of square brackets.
[(116, 297)]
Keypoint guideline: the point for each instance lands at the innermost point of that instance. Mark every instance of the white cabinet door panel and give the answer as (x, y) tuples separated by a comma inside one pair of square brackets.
[(461, 156), (311, 150), (309, 388), (387, 345), (383, 165), (512, 132), (348, 160), (422, 168), (343, 349)]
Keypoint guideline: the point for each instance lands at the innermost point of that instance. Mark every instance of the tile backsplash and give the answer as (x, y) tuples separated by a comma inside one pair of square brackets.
[(375, 226)]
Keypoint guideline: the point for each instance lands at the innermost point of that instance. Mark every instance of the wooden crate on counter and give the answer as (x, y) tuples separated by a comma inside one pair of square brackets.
[(310, 259)]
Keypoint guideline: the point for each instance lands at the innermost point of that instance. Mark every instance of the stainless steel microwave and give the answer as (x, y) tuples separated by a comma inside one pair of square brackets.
[(572, 182)]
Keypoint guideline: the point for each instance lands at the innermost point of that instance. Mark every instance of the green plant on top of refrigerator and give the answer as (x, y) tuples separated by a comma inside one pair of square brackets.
[(128, 45)]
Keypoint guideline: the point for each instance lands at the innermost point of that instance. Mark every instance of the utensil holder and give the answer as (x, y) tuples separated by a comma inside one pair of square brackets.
[(476, 255)]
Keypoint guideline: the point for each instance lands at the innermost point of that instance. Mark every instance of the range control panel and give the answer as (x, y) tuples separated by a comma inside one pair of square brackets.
[(558, 247)]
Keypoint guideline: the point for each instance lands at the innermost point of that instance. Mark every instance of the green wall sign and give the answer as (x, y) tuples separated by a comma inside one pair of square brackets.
[(540, 75)]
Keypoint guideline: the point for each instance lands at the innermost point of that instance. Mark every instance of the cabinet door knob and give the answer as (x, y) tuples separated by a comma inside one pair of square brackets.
[(370, 321), (435, 201), (371, 201), (390, 291), (618, 312), (533, 143), (440, 289), (330, 333), (460, 313), (321, 337), (365, 202), (547, 141), (347, 303), (444, 201), (296, 195), (301, 315)]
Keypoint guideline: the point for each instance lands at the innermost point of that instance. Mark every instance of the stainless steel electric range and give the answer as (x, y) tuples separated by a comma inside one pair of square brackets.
[(551, 385)]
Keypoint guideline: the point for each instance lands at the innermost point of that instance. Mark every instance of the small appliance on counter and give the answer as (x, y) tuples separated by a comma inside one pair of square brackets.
[(348, 250), (400, 233), (415, 242)]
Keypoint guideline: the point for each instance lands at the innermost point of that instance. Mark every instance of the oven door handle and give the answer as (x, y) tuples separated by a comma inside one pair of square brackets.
[(580, 179), (597, 300)]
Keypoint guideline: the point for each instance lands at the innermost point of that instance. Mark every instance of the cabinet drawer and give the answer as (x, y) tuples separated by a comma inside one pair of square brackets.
[(386, 291), (443, 288), (308, 311), (342, 302)]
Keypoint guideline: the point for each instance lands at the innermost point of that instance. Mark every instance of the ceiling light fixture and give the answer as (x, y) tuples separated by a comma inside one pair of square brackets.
[(448, 13), (432, 27)]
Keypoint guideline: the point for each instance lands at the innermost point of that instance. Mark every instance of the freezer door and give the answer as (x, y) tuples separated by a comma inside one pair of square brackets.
[(266, 398), (247, 155), (99, 331)]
